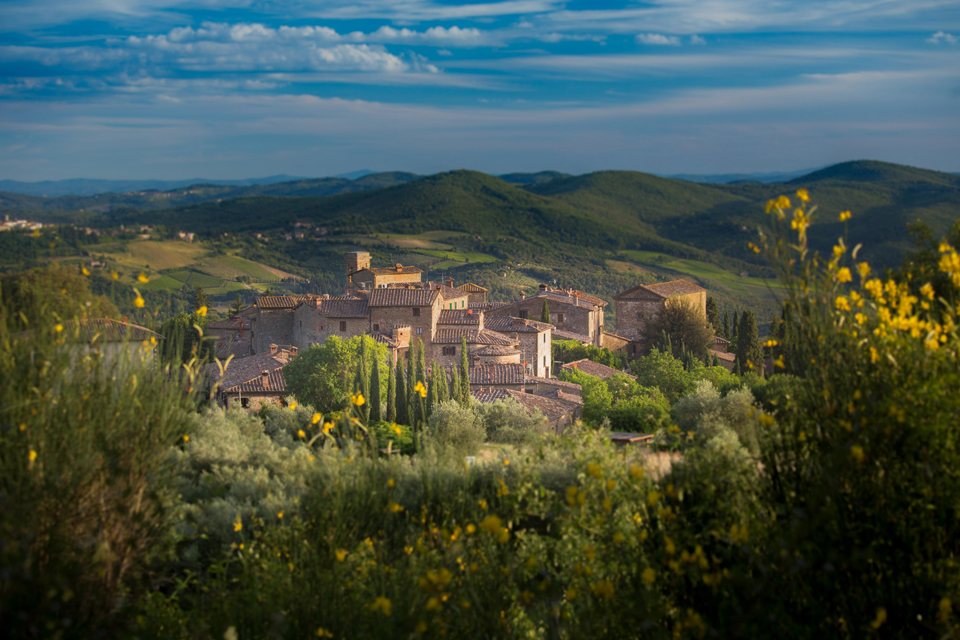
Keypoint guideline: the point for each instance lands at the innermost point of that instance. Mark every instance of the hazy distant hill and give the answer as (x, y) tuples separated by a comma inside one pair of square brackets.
[(726, 178), (532, 178), (90, 187)]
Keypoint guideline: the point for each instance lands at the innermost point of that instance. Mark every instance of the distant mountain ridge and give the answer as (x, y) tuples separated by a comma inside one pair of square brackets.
[(92, 187)]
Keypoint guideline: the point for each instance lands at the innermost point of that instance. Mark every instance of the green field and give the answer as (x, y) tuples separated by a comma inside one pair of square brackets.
[(459, 256), (520, 280), (163, 283), (227, 287), (702, 270), (253, 269), (154, 254), (446, 264)]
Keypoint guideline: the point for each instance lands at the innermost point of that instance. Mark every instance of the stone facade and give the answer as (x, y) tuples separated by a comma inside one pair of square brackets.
[(416, 308), (570, 310), (477, 295), (535, 341), (639, 305)]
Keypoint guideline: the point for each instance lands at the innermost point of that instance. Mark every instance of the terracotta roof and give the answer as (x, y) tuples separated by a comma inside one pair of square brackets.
[(509, 324), (488, 374), (551, 408), (582, 300), (275, 384), (595, 369), (459, 316), (108, 330), (473, 336), (232, 346), (402, 297), (553, 382), (490, 395), (281, 302), (496, 350), (469, 287), (241, 370), (663, 289), (381, 271), (229, 323), (383, 339), (560, 334), (619, 337), (488, 306), (344, 308), (729, 357), (719, 340)]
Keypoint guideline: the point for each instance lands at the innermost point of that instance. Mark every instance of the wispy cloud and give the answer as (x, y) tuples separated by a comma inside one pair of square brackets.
[(657, 39), (943, 36)]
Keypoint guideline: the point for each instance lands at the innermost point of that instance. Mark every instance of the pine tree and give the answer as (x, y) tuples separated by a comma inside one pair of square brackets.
[(726, 326), (455, 384), (375, 411), (749, 350), (402, 400), (545, 313), (464, 373), (392, 392), (713, 313)]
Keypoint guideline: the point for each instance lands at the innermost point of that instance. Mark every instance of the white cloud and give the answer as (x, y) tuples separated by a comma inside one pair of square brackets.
[(695, 39), (942, 36), (657, 39)]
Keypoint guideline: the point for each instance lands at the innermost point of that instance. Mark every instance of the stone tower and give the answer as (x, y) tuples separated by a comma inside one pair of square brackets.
[(357, 260)]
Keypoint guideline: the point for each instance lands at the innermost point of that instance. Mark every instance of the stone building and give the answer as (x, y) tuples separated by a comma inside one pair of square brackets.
[(535, 340), (254, 381), (477, 294), (559, 413), (637, 306), (362, 277), (272, 321), (572, 311), (316, 319)]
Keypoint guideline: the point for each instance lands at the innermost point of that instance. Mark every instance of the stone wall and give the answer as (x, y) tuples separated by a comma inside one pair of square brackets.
[(582, 319), (271, 327), (421, 327), (252, 401), (633, 314), (312, 327)]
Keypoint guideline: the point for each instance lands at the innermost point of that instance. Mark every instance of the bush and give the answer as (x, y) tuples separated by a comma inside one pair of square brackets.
[(705, 414), (507, 422), (455, 429)]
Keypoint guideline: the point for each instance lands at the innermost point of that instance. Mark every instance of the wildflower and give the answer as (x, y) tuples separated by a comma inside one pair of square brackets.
[(357, 399), (766, 419), (58, 328), (594, 470), (316, 418), (880, 619), (323, 633), (138, 301), (506, 463), (856, 451), (491, 524), (482, 503), (280, 515), (607, 505), (803, 195), (422, 390), (114, 275), (327, 426), (202, 311), (669, 546), (143, 278), (153, 341), (841, 303), (186, 438), (636, 472), (391, 483), (301, 433), (433, 604), (341, 554), (927, 290), (611, 484), (770, 205), (604, 589), (783, 202), (863, 269), (84, 271), (753, 247), (471, 528), (382, 605), (843, 275), (653, 498), (648, 576), (238, 525), (770, 343), (394, 507), (32, 455), (844, 216), (36, 233), (874, 356)]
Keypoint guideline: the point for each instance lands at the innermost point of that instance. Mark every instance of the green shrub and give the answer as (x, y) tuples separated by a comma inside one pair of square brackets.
[(455, 429), (507, 422)]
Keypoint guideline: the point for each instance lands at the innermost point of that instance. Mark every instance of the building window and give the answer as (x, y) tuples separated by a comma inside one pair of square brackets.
[(544, 362), (523, 314), (419, 331), (343, 325), (245, 402), (416, 312), (560, 320), (449, 351), (376, 327)]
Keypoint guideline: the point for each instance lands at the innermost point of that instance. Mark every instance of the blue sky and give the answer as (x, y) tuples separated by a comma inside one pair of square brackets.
[(128, 89)]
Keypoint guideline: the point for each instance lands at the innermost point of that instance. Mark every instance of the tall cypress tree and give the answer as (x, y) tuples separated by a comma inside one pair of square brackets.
[(713, 314), (749, 350), (455, 384), (734, 326), (364, 379), (392, 392), (443, 392), (375, 413), (726, 325), (411, 381), (418, 406), (431, 393), (402, 401), (464, 373), (545, 313)]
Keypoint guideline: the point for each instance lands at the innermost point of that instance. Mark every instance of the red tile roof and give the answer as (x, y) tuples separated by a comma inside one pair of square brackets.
[(473, 336), (553, 382), (459, 316), (229, 323), (499, 374), (241, 370), (551, 408), (232, 346), (383, 339), (509, 324), (275, 384), (281, 302), (729, 357), (496, 350), (469, 287), (344, 308), (560, 334), (402, 297), (595, 369), (662, 289)]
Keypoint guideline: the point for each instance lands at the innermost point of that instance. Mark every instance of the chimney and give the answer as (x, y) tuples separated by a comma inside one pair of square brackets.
[(273, 349), (523, 295), (469, 312), (265, 378), (543, 287), (293, 351), (450, 282), (399, 267)]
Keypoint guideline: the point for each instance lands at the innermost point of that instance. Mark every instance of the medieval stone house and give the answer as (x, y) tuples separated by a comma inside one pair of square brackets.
[(571, 311), (638, 305)]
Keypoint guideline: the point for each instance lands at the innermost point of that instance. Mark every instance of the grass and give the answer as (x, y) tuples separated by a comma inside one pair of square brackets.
[(427, 240), (255, 270), (464, 256), (520, 280), (163, 283), (159, 254), (198, 279), (446, 264), (702, 270), (228, 287)]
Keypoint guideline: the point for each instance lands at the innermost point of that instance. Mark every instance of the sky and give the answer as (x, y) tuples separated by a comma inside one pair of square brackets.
[(230, 89)]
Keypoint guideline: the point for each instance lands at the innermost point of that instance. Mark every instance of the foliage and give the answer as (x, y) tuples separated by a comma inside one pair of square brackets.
[(51, 294), (323, 375), (663, 371), (597, 398), (705, 414), (571, 351), (685, 324), (182, 341), (749, 352), (507, 422), (456, 429)]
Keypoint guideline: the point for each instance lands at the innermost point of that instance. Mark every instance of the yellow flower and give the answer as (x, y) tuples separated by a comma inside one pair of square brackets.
[(880, 619), (395, 508), (327, 426), (381, 604), (783, 202), (341, 554), (32, 455), (396, 429), (433, 604), (770, 205), (779, 362), (186, 438), (114, 275), (636, 472), (36, 233), (927, 290), (841, 303), (506, 463), (770, 343), (753, 247), (391, 483), (874, 356), (653, 498), (143, 278), (422, 390), (301, 433), (153, 340), (803, 195), (844, 216), (202, 311), (357, 399), (280, 515), (766, 419), (58, 328), (594, 470), (138, 301), (84, 271), (843, 275), (648, 576), (491, 524), (864, 270), (856, 451), (293, 405), (604, 589), (316, 418), (323, 633), (238, 525)]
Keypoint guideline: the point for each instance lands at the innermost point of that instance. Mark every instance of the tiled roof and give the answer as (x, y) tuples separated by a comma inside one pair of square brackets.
[(232, 346), (344, 308), (560, 334), (459, 316), (662, 289), (474, 336), (402, 297), (729, 357), (381, 271), (469, 287), (281, 302), (241, 370), (108, 330), (488, 306), (229, 323), (619, 337), (275, 384), (509, 324), (595, 369), (719, 340), (582, 300), (383, 339), (496, 350), (490, 395), (496, 374), (551, 408), (553, 382)]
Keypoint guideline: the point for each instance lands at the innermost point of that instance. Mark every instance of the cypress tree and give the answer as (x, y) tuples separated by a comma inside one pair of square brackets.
[(726, 326), (364, 379), (418, 405), (713, 314), (431, 393), (392, 392), (402, 400), (411, 381), (716, 361), (464, 373), (455, 384), (545, 313), (749, 350), (734, 326), (736, 368), (375, 413), (443, 391)]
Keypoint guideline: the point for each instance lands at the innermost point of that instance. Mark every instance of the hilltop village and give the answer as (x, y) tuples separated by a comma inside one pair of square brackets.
[(509, 345)]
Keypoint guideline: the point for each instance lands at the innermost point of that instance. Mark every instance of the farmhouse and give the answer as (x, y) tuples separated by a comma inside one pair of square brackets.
[(571, 311), (638, 305)]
